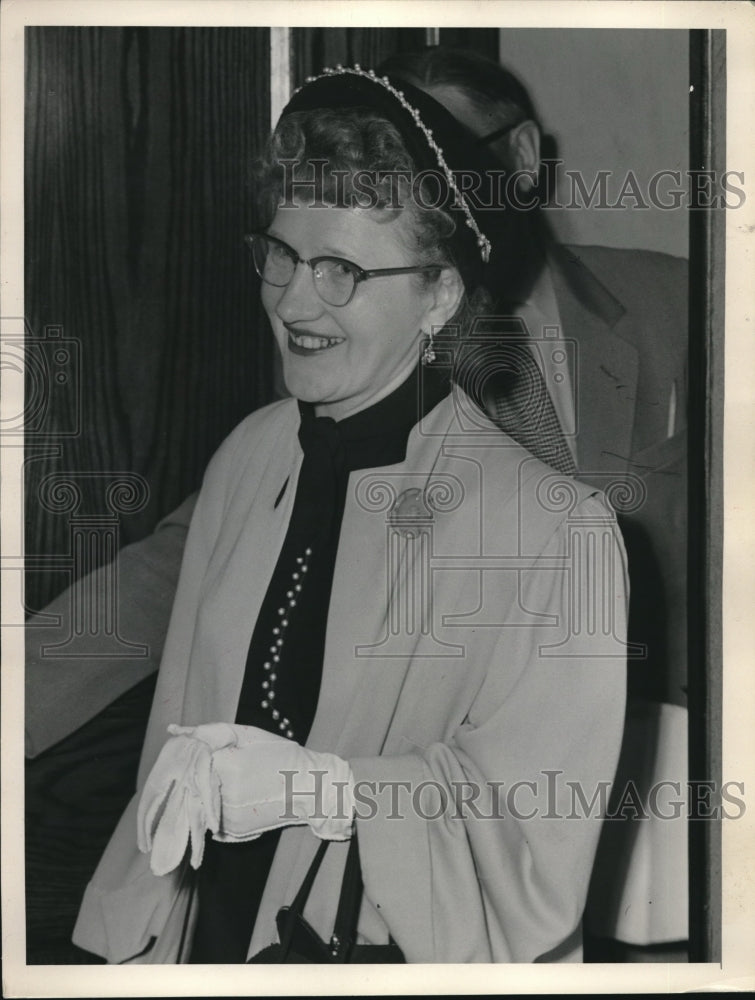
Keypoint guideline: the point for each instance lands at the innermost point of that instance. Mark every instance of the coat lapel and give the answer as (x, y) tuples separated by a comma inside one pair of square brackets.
[(364, 662), (606, 367), (255, 527)]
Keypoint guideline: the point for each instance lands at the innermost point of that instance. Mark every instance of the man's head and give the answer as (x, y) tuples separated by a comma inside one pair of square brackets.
[(489, 99)]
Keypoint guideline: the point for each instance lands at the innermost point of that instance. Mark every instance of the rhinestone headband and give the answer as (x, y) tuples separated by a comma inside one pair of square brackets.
[(483, 242)]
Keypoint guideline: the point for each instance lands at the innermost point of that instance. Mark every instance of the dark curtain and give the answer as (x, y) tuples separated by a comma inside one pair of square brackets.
[(141, 304)]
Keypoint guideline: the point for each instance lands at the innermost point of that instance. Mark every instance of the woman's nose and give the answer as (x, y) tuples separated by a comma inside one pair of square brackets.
[(299, 300)]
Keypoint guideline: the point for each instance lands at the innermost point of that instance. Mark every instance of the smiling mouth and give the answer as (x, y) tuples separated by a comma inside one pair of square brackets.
[(310, 343)]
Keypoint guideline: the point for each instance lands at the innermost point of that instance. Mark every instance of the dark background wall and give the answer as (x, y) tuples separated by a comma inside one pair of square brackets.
[(315, 48)]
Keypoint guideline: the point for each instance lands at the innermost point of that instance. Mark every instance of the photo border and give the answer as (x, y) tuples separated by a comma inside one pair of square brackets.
[(729, 447)]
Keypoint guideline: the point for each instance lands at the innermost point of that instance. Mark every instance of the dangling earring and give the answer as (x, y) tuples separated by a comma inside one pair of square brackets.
[(428, 352)]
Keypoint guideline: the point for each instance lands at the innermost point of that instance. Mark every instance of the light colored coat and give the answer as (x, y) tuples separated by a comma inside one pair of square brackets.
[(515, 672)]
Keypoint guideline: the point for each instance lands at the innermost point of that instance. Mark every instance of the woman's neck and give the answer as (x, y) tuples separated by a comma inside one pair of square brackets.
[(334, 410)]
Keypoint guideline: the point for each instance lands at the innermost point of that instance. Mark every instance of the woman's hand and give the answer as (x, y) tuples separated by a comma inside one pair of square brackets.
[(180, 801), (238, 782)]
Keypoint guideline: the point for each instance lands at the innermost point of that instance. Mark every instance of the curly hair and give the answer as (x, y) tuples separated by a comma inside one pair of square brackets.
[(353, 157), (328, 154)]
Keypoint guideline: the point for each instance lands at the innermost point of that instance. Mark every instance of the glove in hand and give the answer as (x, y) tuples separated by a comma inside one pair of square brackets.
[(267, 781), (231, 780), (181, 798)]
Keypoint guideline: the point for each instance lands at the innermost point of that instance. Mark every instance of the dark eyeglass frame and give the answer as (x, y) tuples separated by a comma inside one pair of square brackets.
[(498, 134), (360, 273)]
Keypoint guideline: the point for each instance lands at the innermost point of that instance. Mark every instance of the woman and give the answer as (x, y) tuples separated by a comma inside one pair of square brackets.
[(379, 629)]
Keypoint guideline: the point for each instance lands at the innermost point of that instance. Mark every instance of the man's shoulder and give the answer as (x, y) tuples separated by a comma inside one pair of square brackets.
[(614, 256), (651, 288), (626, 271)]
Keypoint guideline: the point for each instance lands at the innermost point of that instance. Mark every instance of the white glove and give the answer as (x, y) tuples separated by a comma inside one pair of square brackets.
[(180, 800), (229, 779), (267, 782)]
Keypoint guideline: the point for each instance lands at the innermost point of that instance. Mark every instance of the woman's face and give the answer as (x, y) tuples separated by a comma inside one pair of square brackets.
[(342, 358)]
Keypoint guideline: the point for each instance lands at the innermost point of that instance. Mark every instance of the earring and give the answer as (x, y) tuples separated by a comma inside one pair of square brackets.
[(428, 352)]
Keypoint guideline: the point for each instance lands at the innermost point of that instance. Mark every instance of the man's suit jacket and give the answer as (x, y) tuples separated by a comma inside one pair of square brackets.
[(626, 312)]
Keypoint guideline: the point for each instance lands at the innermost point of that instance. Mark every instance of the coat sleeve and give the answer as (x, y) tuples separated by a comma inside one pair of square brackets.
[(204, 530), (125, 905), (62, 694), (479, 848)]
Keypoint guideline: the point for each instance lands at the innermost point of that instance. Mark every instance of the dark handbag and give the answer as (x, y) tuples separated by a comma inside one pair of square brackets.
[(299, 941)]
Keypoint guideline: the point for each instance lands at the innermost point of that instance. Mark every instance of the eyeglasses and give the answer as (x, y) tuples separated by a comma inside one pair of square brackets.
[(335, 279), (499, 133)]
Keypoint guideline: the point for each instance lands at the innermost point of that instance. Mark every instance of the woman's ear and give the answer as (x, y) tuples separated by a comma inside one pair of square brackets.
[(445, 298)]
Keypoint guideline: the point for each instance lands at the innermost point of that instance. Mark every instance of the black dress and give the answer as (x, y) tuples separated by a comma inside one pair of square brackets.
[(284, 664)]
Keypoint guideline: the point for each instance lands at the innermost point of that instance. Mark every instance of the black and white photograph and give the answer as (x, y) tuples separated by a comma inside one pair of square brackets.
[(376, 559)]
